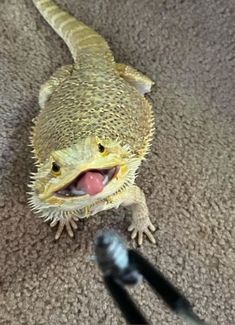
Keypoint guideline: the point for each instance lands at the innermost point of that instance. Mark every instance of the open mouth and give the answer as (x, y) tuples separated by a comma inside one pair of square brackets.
[(89, 182)]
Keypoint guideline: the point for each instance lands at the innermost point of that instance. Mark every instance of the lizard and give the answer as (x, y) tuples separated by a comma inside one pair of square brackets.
[(93, 130)]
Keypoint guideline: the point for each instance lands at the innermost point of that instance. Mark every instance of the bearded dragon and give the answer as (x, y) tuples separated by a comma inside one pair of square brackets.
[(94, 128)]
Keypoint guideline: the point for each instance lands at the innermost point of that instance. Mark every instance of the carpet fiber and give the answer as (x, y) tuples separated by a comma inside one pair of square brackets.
[(187, 47)]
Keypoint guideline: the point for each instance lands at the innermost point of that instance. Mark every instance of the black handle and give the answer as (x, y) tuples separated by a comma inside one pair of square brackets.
[(127, 306)]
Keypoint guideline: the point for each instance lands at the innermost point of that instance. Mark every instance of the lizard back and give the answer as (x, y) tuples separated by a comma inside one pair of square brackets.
[(93, 103)]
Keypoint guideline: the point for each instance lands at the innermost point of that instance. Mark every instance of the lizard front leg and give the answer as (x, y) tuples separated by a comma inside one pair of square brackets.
[(69, 224), (141, 223), (134, 198)]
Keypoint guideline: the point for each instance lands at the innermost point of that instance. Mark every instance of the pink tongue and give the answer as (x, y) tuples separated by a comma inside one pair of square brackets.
[(91, 183)]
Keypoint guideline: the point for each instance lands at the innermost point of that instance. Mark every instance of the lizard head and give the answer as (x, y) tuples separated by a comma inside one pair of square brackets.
[(86, 172)]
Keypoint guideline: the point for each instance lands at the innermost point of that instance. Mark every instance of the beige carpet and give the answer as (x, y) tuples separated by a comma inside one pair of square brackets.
[(187, 47)]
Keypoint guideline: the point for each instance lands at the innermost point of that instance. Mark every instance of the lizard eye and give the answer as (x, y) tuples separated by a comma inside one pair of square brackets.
[(55, 168), (101, 147)]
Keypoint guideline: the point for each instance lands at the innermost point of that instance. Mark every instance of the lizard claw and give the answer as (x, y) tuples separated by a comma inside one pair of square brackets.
[(141, 227), (69, 224)]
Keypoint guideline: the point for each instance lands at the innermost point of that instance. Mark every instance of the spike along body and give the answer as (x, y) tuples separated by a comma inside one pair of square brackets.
[(93, 130)]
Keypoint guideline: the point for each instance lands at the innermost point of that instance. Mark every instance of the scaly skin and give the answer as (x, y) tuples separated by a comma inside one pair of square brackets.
[(93, 102)]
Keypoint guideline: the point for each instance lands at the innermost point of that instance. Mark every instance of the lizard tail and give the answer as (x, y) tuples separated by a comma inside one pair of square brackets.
[(76, 35)]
